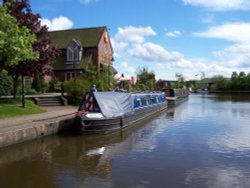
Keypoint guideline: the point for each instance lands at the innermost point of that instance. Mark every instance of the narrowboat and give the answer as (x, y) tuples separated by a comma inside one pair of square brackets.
[(175, 96), (110, 111)]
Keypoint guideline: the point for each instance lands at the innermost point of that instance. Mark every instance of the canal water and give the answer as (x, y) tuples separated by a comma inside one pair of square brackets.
[(203, 142)]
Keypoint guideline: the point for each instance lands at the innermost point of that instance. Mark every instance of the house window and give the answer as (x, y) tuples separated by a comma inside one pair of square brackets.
[(69, 75), (74, 52), (70, 54)]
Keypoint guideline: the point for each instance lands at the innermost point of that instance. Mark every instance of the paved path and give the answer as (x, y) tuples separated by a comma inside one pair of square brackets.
[(12, 123)]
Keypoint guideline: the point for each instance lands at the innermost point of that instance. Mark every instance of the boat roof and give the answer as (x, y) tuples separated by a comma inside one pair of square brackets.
[(113, 104)]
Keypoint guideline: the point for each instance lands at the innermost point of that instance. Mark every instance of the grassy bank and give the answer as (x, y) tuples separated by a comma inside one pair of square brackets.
[(13, 107)]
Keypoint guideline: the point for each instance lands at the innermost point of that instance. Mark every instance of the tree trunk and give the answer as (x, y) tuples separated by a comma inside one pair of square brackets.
[(15, 85)]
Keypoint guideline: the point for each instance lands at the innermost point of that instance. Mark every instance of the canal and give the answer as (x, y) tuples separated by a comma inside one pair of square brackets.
[(204, 142)]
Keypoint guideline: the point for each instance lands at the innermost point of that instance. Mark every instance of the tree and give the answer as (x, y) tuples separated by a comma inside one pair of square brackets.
[(6, 82), (234, 80), (248, 81), (15, 42), (242, 80), (21, 10), (221, 83), (145, 79)]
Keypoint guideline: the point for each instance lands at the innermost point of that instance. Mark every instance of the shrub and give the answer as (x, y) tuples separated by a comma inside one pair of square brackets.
[(6, 83), (76, 89), (27, 91), (55, 85)]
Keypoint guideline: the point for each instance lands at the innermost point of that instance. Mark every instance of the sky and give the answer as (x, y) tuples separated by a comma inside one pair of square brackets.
[(168, 37)]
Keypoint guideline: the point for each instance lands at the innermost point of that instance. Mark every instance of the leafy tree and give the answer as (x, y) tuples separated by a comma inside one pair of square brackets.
[(15, 42), (242, 80), (221, 83), (234, 80), (6, 82), (103, 80), (248, 81), (21, 10), (145, 79)]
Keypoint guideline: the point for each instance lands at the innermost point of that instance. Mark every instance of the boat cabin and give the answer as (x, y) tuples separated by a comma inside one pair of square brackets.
[(116, 100)]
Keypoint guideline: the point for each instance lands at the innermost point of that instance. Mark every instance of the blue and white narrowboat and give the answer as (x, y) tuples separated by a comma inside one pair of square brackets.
[(110, 111)]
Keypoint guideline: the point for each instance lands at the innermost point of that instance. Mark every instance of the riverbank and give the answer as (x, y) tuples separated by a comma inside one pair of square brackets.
[(19, 129), (231, 91)]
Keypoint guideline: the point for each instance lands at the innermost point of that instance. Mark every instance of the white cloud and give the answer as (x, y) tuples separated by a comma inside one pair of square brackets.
[(173, 34), (131, 43), (220, 5), (119, 47), (133, 34), (153, 52), (133, 51), (87, 1), (128, 70), (236, 55), (238, 32), (59, 23)]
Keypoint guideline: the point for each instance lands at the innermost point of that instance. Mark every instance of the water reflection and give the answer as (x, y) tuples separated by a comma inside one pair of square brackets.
[(203, 142), (223, 177), (74, 160), (235, 142)]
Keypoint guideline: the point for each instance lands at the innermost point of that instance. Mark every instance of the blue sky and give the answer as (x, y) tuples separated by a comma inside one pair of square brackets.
[(190, 37)]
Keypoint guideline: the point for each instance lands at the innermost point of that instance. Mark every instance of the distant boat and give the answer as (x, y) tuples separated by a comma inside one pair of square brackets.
[(110, 111), (202, 91), (175, 96)]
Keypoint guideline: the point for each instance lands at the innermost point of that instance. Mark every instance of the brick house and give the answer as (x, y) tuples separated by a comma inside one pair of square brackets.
[(79, 48)]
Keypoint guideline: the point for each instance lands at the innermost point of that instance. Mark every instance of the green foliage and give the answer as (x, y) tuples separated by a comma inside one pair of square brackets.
[(40, 85), (105, 79), (91, 74), (221, 83), (36, 36), (102, 80), (239, 81), (6, 83), (76, 89), (15, 42), (56, 85), (44, 86), (27, 91), (145, 79)]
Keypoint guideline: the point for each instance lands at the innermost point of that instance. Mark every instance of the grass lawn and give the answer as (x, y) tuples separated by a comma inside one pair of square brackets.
[(13, 107)]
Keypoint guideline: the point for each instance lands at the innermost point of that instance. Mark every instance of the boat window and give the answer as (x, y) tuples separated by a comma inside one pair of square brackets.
[(143, 99), (135, 102), (139, 101), (157, 99), (147, 100), (152, 100)]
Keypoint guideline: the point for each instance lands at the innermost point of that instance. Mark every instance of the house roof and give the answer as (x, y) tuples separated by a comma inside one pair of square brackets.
[(59, 63), (88, 37)]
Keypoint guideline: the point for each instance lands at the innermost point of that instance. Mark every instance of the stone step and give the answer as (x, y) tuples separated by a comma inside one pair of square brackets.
[(51, 101)]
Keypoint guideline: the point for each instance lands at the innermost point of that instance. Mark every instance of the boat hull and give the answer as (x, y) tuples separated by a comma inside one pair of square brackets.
[(88, 126), (173, 101)]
